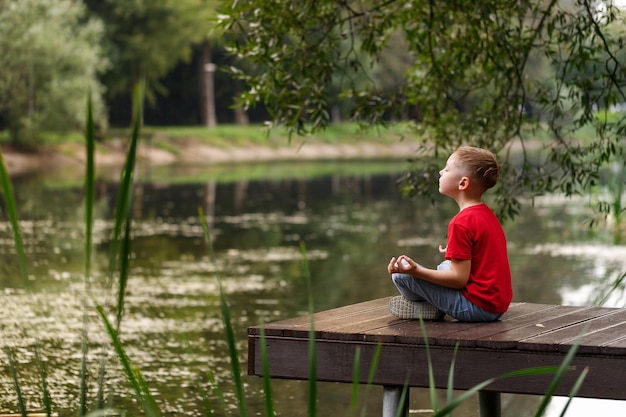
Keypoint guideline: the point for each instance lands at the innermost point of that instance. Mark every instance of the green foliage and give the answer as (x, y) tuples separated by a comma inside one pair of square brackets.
[(495, 74), (146, 39), (50, 57)]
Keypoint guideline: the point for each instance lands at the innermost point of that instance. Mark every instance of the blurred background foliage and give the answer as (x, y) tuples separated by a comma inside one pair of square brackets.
[(544, 78)]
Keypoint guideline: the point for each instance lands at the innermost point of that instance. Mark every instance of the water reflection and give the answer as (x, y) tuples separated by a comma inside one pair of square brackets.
[(350, 224)]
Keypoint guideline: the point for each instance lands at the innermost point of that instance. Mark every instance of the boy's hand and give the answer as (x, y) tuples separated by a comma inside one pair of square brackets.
[(403, 264)]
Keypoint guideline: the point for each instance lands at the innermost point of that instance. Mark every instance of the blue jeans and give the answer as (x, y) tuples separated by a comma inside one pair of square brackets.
[(450, 301)]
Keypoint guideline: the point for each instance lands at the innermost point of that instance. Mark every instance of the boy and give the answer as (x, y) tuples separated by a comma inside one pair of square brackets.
[(474, 283)]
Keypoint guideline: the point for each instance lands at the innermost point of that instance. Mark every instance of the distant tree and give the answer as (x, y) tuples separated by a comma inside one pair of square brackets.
[(489, 73), (146, 39), (49, 60)]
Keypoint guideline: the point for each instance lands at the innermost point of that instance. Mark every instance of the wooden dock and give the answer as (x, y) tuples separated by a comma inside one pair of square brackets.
[(527, 336)]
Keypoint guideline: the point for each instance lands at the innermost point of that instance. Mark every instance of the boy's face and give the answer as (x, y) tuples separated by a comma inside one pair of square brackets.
[(450, 178)]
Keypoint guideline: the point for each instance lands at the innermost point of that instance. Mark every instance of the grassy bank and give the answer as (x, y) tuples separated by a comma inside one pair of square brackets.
[(260, 135), (169, 138)]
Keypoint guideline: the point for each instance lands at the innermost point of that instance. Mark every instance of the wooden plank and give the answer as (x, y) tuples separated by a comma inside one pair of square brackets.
[(529, 335), (347, 328), (449, 333), (562, 339), (471, 333), (403, 363), (300, 325), (594, 342), (348, 320), (331, 320), (372, 321), (558, 318), (614, 347)]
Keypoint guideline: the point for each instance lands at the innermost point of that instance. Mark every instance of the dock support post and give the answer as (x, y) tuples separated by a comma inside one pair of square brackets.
[(489, 403), (392, 401)]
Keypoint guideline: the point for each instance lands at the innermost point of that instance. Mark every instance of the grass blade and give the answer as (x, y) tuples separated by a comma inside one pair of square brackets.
[(101, 380), (370, 376), (82, 403), (217, 392), (230, 334), (149, 404), (90, 192), (126, 183), (445, 411), (232, 351), (140, 388), (120, 245), (431, 376), (16, 384), (124, 270), (204, 396), (43, 376), (574, 391), (9, 206), (89, 205), (403, 394), (616, 285), (565, 366), (450, 388), (206, 402)]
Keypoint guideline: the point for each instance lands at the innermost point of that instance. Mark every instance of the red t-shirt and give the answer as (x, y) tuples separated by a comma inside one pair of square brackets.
[(476, 234)]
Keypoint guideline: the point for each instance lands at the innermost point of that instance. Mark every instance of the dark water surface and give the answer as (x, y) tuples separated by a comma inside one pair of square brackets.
[(350, 223)]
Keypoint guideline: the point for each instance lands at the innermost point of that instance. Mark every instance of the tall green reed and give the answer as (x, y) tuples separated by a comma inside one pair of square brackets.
[(119, 259), (11, 210), (16, 384), (43, 377), (89, 189), (228, 327), (370, 378)]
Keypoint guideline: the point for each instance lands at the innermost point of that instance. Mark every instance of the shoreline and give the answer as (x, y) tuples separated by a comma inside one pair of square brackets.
[(113, 154)]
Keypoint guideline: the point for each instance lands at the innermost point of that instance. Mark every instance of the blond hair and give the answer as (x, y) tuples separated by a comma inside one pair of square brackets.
[(480, 165)]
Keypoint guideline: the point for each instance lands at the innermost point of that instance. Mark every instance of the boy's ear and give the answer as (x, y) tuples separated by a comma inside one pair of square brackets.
[(464, 183)]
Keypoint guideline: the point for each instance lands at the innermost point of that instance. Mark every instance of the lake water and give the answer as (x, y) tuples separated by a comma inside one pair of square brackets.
[(350, 218)]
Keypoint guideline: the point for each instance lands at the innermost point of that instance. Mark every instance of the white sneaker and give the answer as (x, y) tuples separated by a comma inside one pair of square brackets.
[(406, 309)]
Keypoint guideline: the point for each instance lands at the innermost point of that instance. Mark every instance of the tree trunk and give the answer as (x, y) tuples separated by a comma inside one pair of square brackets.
[(241, 117), (207, 69)]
